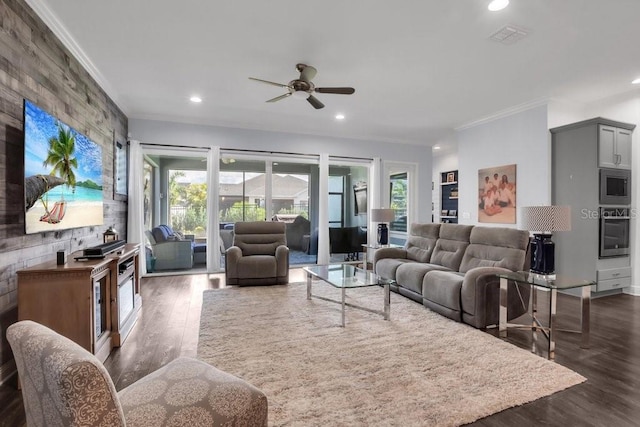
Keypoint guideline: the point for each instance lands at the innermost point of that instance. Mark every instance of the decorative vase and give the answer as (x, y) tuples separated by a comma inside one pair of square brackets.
[(383, 234), (542, 254)]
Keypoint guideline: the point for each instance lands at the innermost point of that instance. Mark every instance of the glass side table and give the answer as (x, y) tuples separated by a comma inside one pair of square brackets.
[(370, 249), (553, 284)]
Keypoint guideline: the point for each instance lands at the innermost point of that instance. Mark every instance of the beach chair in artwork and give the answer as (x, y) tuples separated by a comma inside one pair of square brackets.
[(56, 214)]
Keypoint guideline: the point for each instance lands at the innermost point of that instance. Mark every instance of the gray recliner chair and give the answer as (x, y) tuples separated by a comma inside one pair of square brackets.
[(259, 255)]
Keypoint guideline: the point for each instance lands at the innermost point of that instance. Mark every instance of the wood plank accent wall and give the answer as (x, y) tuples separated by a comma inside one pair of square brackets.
[(35, 65)]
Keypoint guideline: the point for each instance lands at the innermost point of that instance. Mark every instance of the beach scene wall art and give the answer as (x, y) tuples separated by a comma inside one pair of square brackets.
[(63, 174)]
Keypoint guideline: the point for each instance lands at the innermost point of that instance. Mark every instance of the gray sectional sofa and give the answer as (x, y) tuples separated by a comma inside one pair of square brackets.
[(451, 269)]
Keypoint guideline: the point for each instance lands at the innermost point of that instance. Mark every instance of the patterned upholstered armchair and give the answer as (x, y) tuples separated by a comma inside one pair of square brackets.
[(65, 385), (259, 255)]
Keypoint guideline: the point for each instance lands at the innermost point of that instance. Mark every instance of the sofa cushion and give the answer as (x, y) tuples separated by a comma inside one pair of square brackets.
[(495, 247), (387, 267), (421, 241), (451, 244), (161, 233), (441, 293), (410, 275), (257, 266)]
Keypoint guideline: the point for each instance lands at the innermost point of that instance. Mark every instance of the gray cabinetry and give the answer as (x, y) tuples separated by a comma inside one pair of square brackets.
[(578, 151), (614, 147)]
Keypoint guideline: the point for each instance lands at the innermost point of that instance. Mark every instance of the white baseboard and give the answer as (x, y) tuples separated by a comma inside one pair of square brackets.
[(632, 290), (7, 371)]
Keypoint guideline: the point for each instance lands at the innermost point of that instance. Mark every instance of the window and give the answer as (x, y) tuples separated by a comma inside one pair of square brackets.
[(398, 195)]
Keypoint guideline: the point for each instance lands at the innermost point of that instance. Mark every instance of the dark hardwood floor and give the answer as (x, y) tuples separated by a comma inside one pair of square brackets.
[(168, 328)]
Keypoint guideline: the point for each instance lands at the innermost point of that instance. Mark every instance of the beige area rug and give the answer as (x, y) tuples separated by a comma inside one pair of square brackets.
[(419, 369)]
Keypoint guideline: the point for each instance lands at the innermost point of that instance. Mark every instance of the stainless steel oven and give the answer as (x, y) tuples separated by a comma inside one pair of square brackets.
[(614, 231)]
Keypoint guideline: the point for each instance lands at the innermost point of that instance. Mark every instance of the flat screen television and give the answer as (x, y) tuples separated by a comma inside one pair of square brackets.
[(63, 174)]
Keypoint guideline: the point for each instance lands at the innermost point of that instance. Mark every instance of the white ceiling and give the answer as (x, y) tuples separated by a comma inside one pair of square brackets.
[(421, 68)]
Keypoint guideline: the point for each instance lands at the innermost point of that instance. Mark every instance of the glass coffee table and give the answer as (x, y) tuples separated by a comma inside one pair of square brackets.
[(345, 276)]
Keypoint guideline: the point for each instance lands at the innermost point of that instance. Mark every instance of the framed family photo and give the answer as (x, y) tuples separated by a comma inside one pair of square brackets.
[(451, 177), (497, 194)]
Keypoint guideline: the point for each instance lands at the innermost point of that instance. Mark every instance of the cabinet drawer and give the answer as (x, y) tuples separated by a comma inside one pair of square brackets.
[(606, 285), (614, 273)]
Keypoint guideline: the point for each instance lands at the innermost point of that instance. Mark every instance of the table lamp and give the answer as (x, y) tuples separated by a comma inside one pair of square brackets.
[(382, 216), (542, 220)]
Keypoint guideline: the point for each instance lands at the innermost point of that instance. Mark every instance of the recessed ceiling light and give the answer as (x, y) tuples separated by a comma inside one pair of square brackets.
[(195, 99), (636, 81), (436, 147), (497, 5), (339, 116)]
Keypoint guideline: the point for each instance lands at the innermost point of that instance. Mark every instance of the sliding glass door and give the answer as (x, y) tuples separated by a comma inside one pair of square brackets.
[(175, 216), (259, 187), (348, 209)]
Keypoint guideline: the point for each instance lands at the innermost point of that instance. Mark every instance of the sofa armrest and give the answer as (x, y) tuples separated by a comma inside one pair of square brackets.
[(282, 261), (480, 297), (389, 253), (232, 257)]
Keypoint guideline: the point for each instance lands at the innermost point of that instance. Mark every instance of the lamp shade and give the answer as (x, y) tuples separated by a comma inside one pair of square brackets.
[(546, 218), (383, 215)]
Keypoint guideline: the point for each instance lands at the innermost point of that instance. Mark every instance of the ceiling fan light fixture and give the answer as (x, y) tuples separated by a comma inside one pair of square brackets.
[(497, 5), (636, 81), (301, 94), (195, 99), (339, 116)]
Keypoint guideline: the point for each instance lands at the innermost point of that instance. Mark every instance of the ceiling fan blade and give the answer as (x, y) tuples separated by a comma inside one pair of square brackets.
[(315, 102), (336, 90), (268, 82), (308, 73), (278, 98)]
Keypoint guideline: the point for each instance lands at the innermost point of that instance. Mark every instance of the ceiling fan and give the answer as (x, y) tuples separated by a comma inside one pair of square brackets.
[(304, 88)]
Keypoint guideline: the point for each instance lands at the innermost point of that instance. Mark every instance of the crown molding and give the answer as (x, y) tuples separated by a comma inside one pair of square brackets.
[(59, 30), (504, 113)]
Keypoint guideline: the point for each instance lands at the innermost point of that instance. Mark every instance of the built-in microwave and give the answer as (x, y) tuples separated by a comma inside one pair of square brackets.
[(615, 187)]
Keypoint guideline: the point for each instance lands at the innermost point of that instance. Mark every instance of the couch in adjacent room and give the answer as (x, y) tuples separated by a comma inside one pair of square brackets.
[(451, 269), (173, 251)]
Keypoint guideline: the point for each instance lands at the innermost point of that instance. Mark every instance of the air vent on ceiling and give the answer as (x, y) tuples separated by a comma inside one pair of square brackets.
[(508, 34)]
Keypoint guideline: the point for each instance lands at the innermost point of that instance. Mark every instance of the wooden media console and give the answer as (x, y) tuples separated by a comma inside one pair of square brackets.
[(93, 302)]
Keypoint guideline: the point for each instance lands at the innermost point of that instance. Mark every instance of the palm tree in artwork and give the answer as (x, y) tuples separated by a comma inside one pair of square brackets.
[(61, 157)]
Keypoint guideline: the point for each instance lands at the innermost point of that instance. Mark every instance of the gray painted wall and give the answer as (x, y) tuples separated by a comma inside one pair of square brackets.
[(522, 139)]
